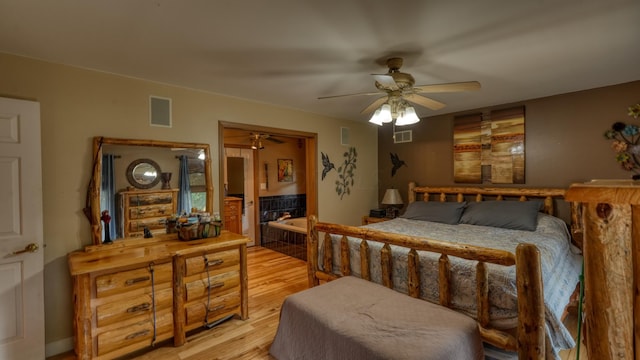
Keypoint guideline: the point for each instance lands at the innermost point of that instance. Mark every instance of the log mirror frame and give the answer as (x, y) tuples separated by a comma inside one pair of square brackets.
[(94, 186)]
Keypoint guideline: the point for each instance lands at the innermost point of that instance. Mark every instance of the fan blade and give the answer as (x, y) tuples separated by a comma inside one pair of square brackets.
[(449, 87), (424, 101), (271, 138), (374, 105), (386, 81), (355, 94)]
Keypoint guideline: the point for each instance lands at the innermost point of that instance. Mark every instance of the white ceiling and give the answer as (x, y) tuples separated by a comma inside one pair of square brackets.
[(290, 52)]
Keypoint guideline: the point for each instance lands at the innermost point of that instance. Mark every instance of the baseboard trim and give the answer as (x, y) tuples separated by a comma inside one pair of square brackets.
[(58, 347)]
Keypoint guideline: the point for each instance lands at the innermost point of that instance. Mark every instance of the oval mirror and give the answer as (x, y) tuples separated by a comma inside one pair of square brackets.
[(143, 173)]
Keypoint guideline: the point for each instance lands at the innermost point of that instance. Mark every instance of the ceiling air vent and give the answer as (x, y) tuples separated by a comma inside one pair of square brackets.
[(402, 136)]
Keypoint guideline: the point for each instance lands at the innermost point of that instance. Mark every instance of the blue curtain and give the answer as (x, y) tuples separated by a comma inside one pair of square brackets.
[(184, 195), (108, 193)]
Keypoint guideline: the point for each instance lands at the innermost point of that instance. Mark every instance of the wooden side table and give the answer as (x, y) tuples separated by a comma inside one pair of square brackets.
[(366, 220)]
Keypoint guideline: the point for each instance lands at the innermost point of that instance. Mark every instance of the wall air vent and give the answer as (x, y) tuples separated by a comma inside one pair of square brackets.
[(402, 136), (159, 111)]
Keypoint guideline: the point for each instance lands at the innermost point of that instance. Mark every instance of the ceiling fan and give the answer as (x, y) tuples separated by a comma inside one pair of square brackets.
[(399, 88), (256, 140)]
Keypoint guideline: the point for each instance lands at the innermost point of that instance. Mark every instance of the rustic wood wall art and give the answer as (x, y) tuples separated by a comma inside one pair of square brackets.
[(490, 149)]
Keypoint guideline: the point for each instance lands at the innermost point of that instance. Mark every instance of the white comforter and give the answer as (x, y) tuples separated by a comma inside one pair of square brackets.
[(561, 267)]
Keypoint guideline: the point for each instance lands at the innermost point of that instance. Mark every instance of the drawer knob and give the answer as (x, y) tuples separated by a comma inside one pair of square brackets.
[(215, 262), (137, 280), (138, 308)]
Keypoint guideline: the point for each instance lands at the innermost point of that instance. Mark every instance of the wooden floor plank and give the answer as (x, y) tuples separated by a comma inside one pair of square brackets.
[(272, 277)]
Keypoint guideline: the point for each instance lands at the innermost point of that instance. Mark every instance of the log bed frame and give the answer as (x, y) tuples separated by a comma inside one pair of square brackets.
[(529, 338)]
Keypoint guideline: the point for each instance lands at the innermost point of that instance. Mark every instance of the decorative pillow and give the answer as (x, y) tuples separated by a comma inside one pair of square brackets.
[(517, 215), (442, 212)]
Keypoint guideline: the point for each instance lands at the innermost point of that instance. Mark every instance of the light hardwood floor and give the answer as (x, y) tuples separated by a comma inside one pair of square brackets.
[(272, 277)]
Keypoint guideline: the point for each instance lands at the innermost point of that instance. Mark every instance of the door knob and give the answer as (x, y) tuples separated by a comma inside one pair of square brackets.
[(29, 248)]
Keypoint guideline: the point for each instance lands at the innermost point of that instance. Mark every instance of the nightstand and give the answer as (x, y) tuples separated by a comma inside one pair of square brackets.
[(366, 220)]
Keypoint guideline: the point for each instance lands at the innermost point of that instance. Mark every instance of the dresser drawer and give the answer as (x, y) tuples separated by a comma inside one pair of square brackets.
[(155, 198), (229, 218), (149, 223), (218, 307), (141, 212), (232, 207), (216, 262), (123, 281), (218, 284), (137, 335), (122, 309)]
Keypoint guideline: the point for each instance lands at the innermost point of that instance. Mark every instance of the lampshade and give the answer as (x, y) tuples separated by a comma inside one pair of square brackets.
[(392, 197), (402, 113), (375, 118), (385, 113), (408, 117)]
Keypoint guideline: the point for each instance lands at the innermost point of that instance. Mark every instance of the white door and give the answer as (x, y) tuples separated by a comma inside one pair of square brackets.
[(21, 240), (248, 209)]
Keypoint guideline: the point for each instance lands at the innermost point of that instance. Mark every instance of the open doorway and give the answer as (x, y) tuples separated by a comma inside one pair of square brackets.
[(238, 187), (278, 167)]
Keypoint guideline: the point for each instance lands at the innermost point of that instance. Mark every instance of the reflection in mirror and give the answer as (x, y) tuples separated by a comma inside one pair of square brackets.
[(123, 184), (143, 173), (235, 176)]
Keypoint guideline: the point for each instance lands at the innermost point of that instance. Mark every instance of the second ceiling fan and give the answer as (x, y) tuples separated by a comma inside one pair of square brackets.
[(400, 90), (256, 140)]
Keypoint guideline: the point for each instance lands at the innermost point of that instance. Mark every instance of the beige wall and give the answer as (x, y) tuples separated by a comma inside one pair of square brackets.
[(564, 141), (270, 156), (78, 104)]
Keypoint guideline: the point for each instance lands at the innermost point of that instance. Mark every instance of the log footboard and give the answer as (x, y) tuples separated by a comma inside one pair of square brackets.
[(529, 340)]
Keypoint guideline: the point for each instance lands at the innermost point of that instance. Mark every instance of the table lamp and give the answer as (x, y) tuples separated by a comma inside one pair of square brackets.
[(393, 200)]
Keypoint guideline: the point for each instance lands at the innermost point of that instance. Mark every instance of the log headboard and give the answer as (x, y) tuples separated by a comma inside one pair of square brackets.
[(461, 193)]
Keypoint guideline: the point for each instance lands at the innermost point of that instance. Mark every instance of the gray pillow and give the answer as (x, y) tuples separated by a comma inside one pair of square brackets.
[(442, 212), (517, 215)]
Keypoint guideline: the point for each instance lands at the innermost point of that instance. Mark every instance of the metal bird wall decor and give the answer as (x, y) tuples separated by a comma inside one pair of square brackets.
[(326, 164), (397, 163)]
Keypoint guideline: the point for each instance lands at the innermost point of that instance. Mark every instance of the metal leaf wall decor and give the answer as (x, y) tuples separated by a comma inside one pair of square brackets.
[(346, 173)]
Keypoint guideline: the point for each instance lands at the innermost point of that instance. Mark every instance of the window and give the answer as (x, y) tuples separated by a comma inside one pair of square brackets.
[(198, 184)]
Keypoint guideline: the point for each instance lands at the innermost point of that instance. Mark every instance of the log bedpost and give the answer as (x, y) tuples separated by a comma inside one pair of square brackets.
[(412, 194), (531, 335), (312, 250)]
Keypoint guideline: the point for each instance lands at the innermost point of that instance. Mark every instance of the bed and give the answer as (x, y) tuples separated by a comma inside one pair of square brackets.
[(477, 267)]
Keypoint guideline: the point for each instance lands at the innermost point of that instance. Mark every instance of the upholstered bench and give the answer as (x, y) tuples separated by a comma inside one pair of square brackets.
[(351, 318)]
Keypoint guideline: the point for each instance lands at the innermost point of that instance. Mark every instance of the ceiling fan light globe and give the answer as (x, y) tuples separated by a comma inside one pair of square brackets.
[(375, 118), (385, 113), (408, 117)]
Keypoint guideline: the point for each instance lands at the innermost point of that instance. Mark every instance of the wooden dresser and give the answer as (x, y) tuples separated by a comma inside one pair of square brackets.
[(233, 214), (138, 209), (611, 222), (136, 292)]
